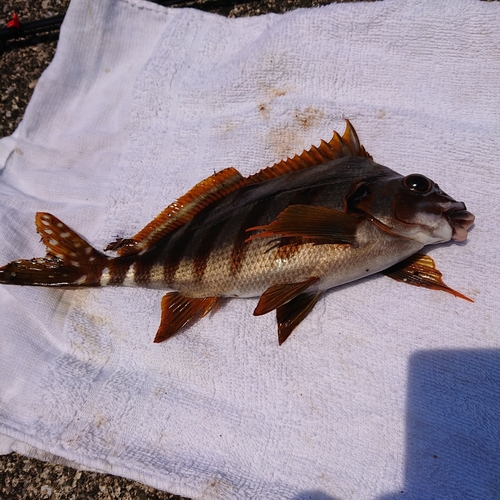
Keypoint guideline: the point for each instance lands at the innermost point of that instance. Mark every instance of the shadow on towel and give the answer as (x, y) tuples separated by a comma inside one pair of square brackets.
[(452, 426), (313, 495)]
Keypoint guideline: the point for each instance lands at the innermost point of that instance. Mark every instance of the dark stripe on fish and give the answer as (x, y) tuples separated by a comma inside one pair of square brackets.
[(174, 256), (184, 243), (205, 248), (142, 270), (307, 196), (252, 218), (94, 274), (117, 271)]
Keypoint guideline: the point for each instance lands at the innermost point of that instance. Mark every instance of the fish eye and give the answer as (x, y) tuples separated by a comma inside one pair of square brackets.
[(417, 182)]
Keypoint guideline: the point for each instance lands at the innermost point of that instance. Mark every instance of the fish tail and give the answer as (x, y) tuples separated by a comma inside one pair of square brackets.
[(70, 260)]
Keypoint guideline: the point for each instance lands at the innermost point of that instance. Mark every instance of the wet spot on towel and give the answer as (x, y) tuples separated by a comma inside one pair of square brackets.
[(308, 117), (264, 111)]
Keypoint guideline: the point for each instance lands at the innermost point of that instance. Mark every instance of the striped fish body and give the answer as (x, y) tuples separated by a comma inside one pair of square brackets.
[(211, 255), (287, 233)]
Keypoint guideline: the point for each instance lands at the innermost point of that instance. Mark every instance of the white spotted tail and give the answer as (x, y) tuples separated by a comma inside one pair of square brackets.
[(70, 260)]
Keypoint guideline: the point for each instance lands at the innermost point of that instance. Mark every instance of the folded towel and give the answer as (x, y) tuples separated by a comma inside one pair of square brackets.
[(384, 388)]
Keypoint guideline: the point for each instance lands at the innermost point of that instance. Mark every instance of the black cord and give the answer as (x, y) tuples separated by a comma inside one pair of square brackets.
[(31, 28), (35, 28), (33, 32)]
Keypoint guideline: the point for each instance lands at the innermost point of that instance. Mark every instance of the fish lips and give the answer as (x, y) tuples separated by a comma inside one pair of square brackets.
[(460, 220)]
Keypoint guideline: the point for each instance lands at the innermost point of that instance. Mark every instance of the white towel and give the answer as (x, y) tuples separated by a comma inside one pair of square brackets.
[(384, 388)]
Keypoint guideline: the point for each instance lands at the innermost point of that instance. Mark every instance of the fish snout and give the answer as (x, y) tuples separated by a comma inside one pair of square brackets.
[(460, 220)]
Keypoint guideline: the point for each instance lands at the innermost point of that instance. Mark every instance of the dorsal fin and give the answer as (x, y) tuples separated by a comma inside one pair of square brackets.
[(338, 147), (207, 191)]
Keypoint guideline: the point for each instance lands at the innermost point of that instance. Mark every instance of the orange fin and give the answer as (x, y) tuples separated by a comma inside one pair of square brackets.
[(114, 246), (420, 270), (63, 243), (181, 211), (290, 315), (310, 222), (39, 272), (338, 147), (277, 295), (178, 311), (70, 259)]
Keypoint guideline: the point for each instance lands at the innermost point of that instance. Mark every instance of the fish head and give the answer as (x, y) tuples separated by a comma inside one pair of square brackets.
[(412, 207)]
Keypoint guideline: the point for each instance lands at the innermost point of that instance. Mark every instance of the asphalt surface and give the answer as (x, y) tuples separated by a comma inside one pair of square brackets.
[(22, 61)]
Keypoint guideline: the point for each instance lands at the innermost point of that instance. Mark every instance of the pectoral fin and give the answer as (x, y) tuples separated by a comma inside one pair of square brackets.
[(314, 223), (178, 311), (289, 315), (277, 295), (420, 270)]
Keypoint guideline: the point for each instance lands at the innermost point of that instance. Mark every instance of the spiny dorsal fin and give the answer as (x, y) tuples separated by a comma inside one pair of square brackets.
[(207, 191), (339, 147)]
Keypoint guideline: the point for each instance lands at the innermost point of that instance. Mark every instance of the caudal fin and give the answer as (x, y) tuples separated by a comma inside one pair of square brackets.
[(70, 260)]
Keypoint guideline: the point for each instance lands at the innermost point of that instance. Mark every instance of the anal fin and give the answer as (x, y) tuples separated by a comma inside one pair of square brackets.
[(178, 311), (277, 295), (420, 270), (290, 315)]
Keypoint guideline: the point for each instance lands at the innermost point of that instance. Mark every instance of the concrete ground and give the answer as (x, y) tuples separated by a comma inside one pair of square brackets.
[(21, 64)]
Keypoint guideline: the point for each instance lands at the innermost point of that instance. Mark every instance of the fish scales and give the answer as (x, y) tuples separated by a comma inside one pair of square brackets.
[(286, 234)]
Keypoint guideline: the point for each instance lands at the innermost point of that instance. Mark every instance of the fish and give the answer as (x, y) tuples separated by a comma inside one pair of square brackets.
[(285, 234)]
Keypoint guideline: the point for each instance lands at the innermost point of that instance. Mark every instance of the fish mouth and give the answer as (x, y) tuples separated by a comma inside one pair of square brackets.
[(460, 221)]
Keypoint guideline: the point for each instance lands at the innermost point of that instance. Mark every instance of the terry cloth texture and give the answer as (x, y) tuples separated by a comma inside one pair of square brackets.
[(384, 388)]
